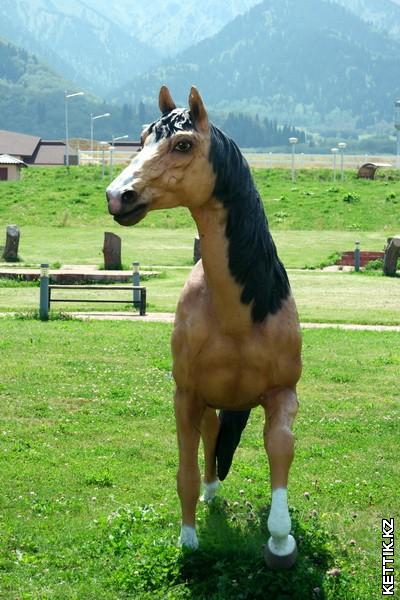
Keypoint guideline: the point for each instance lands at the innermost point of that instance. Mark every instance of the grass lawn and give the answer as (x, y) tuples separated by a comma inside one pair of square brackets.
[(174, 247), (320, 296), (88, 508), (51, 198), (63, 217)]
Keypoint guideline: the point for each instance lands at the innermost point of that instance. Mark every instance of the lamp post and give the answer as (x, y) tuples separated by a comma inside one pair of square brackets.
[(397, 126), (92, 120), (66, 96), (114, 139), (334, 154), (342, 147), (293, 141)]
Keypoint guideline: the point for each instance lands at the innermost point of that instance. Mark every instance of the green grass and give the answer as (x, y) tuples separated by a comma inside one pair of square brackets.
[(88, 508), (63, 218), (174, 247), (51, 198), (315, 202), (320, 296)]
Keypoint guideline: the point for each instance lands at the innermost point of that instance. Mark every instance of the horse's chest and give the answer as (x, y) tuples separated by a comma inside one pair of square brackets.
[(229, 372)]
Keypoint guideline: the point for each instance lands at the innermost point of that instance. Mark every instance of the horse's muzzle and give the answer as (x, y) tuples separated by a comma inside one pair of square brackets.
[(124, 206)]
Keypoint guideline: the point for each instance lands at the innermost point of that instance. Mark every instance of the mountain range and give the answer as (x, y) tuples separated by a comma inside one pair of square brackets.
[(383, 14), (100, 44), (321, 64), (308, 61)]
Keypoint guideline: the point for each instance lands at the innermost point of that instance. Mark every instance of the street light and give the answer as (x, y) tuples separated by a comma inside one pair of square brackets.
[(293, 141), (66, 96), (92, 119), (397, 126), (114, 139), (342, 147), (334, 154)]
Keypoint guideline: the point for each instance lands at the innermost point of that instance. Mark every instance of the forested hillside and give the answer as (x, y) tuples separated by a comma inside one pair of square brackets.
[(32, 101), (76, 41), (383, 14), (305, 61)]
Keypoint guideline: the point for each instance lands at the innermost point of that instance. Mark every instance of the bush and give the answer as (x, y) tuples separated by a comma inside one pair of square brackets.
[(351, 198), (374, 265)]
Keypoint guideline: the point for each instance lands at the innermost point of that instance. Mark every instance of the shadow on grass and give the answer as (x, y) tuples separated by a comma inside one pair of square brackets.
[(230, 565), (141, 559)]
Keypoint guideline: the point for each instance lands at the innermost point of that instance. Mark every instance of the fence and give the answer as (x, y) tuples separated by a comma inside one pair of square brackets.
[(106, 157), (269, 160)]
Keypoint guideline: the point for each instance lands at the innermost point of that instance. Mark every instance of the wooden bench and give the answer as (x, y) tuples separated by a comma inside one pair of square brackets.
[(138, 295)]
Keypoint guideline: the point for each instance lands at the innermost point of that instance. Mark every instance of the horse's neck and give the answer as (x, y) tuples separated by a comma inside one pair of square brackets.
[(233, 316)]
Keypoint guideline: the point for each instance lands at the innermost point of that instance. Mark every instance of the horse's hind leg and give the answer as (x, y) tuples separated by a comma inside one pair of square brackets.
[(188, 417), (209, 435), (281, 409)]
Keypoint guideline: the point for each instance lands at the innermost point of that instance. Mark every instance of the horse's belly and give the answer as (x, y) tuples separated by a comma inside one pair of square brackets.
[(230, 388)]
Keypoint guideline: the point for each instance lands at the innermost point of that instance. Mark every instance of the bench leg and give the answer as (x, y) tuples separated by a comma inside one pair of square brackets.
[(142, 303)]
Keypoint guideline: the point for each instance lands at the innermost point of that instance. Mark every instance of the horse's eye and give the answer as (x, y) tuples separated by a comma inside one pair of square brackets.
[(183, 146)]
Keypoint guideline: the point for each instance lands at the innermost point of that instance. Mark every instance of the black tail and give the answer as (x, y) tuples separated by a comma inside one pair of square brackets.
[(232, 423)]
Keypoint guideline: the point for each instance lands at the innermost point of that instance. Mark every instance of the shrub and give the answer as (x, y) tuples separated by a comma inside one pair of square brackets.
[(351, 198)]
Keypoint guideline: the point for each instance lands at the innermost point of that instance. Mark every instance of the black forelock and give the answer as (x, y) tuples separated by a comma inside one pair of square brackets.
[(252, 255), (172, 122)]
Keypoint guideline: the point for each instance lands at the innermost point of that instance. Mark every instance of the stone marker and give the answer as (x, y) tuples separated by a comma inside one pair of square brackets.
[(112, 251), (10, 252), (392, 253)]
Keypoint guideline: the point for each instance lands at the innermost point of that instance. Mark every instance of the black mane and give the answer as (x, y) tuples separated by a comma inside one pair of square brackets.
[(171, 123), (253, 259)]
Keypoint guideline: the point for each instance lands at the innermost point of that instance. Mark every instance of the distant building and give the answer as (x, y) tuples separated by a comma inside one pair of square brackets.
[(32, 150), (128, 146), (10, 167)]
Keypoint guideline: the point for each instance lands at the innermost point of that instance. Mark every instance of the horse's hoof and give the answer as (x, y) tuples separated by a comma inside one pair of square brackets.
[(210, 491), (188, 538), (280, 561)]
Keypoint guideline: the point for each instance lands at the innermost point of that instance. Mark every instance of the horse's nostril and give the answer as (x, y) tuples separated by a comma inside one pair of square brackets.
[(128, 197)]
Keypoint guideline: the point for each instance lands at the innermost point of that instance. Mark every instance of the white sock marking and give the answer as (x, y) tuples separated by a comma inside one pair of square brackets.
[(188, 537), (279, 522), (210, 491)]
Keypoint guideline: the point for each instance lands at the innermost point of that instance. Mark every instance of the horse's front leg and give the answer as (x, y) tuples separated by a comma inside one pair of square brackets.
[(280, 409), (188, 415)]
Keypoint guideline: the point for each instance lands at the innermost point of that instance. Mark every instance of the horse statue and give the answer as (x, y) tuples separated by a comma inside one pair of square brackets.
[(236, 341)]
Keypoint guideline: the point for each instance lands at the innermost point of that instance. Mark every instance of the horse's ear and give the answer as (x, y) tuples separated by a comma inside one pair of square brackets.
[(165, 101), (198, 111)]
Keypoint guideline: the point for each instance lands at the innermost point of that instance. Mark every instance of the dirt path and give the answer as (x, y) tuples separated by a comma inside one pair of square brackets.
[(164, 317), (169, 318)]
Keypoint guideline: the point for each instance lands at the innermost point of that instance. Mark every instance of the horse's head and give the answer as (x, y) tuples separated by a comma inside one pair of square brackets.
[(173, 167)]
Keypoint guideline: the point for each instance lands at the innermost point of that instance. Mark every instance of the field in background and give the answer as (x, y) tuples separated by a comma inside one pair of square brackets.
[(174, 247), (52, 198), (320, 297), (63, 218), (275, 160)]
